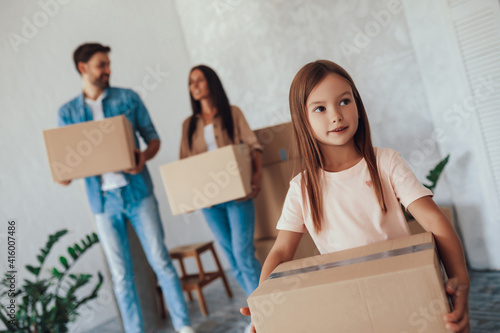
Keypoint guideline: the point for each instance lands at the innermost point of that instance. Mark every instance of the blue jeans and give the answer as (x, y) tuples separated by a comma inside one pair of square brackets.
[(112, 230), (233, 224)]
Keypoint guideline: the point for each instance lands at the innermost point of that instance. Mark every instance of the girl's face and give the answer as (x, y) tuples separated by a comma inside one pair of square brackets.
[(198, 86), (332, 111)]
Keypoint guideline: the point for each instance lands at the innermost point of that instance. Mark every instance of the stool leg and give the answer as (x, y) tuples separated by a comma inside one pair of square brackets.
[(222, 275), (183, 272), (189, 295), (201, 272), (183, 269), (201, 301)]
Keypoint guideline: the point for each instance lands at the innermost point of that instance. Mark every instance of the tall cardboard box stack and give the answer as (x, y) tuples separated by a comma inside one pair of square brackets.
[(393, 286), (90, 148), (208, 179), (278, 164)]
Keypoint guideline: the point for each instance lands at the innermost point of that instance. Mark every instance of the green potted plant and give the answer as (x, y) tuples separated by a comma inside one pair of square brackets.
[(49, 304), (433, 177)]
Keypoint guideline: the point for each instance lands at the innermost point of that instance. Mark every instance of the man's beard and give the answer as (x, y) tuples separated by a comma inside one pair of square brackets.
[(100, 83)]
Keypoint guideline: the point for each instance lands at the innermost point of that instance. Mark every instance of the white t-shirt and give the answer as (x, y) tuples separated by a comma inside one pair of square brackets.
[(210, 137), (352, 216), (109, 180)]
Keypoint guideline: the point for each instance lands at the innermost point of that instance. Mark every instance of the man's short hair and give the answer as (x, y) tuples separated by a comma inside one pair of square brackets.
[(85, 51)]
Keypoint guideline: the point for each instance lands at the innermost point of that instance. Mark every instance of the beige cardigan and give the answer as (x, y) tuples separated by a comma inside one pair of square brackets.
[(242, 134)]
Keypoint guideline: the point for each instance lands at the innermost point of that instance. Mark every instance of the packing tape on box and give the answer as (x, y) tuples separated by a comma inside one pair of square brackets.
[(370, 257)]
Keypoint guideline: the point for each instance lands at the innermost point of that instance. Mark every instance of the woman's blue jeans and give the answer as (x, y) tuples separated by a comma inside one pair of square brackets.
[(233, 224), (112, 230)]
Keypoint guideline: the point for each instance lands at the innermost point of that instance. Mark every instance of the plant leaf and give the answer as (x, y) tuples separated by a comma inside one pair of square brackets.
[(72, 253), (56, 273), (48, 246), (61, 233), (95, 237), (93, 294), (435, 173), (33, 270), (64, 261), (78, 248)]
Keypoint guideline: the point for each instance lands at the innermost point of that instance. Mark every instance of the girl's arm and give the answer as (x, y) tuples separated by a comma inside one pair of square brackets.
[(283, 250), (428, 214)]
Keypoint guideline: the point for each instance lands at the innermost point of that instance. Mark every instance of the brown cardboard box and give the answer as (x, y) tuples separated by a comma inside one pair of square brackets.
[(277, 142), (262, 248), (415, 227), (393, 286), (306, 248), (269, 203), (90, 148), (208, 179)]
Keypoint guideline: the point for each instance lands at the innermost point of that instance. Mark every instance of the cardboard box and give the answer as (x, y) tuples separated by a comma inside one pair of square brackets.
[(269, 203), (393, 286), (306, 248), (90, 148), (415, 227), (208, 179), (262, 248), (277, 142)]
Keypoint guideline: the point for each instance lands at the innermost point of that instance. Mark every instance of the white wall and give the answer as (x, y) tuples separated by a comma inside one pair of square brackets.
[(255, 46), (405, 82), (258, 46), (456, 97), (36, 80)]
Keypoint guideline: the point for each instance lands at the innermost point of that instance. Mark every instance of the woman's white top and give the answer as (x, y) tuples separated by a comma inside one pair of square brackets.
[(210, 137)]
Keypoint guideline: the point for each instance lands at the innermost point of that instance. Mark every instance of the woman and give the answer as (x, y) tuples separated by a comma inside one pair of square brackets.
[(215, 124)]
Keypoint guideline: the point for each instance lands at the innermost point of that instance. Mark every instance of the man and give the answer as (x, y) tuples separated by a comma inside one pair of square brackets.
[(119, 196)]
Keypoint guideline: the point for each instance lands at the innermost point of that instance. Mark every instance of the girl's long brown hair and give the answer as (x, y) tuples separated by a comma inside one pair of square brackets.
[(312, 161)]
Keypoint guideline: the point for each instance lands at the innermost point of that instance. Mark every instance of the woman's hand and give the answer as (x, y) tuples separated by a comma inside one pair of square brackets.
[(458, 319), (246, 312), (256, 182)]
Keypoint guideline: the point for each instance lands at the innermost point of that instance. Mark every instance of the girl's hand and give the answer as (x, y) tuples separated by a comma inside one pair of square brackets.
[(246, 312), (458, 319)]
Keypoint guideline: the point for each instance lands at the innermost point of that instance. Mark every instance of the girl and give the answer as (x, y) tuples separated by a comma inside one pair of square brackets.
[(348, 193), (215, 124)]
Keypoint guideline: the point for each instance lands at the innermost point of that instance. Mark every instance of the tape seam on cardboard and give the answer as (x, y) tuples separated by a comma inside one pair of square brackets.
[(346, 262)]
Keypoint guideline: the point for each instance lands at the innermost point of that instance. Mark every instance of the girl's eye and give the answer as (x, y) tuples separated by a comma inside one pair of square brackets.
[(345, 101), (319, 109)]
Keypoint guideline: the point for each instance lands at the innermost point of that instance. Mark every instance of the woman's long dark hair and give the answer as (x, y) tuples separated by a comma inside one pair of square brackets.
[(219, 99)]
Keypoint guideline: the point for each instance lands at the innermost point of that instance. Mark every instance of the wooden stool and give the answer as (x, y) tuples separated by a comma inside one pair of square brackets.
[(194, 282)]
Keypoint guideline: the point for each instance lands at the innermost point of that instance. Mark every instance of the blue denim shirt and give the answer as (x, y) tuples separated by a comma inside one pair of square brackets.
[(116, 101)]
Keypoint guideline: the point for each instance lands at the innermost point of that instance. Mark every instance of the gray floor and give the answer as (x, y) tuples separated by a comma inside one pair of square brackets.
[(484, 304)]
